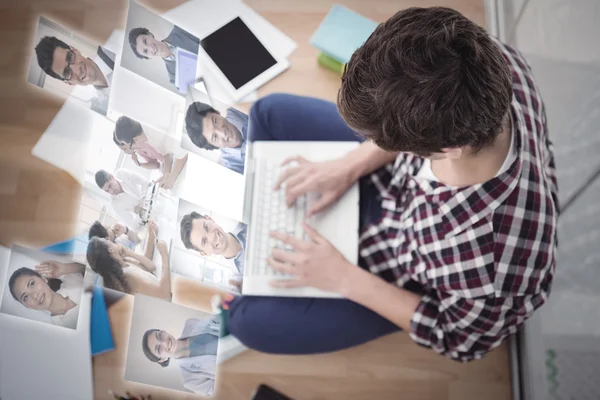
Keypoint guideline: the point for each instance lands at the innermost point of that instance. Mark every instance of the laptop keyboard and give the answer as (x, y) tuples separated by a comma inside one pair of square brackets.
[(272, 214)]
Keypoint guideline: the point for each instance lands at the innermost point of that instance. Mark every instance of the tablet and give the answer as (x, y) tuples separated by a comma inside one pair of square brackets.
[(238, 58)]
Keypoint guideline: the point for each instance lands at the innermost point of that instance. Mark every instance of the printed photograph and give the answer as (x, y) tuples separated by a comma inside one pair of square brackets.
[(172, 346), (67, 64), (215, 131), (128, 215), (210, 247), (110, 366), (43, 287), (159, 50)]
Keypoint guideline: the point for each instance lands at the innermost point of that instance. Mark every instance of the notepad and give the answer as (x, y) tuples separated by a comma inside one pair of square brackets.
[(101, 339), (342, 32)]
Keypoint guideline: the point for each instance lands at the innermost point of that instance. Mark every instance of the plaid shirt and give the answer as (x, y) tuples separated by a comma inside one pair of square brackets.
[(484, 254)]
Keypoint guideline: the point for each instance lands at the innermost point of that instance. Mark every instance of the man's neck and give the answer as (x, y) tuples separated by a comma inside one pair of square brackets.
[(101, 82), (234, 247), (183, 348), (477, 168), (170, 54)]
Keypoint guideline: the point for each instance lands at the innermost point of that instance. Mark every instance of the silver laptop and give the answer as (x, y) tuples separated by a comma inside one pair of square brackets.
[(265, 210)]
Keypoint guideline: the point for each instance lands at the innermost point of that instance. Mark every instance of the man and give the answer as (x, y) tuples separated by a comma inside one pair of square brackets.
[(145, 46), (201, 233), (66, 63), (124, 236), (458, 196), (154, 147), (128, 194), (208, 130)]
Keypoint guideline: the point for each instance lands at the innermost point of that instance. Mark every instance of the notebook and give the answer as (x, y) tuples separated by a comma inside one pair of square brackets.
[(342, 32), (101, 339)]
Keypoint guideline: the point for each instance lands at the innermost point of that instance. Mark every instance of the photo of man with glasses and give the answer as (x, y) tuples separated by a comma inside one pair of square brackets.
[(66, 63)]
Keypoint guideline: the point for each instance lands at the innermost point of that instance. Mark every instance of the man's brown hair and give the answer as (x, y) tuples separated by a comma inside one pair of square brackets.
[(427, 79)]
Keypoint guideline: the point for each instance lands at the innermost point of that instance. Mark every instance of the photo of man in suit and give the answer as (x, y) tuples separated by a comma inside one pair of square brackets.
[(145, 46)]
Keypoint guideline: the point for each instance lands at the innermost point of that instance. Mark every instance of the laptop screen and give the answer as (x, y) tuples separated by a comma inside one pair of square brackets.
[(239, 54)]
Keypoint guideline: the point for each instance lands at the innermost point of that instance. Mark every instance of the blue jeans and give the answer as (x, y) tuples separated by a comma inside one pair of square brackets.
[(304, 325)]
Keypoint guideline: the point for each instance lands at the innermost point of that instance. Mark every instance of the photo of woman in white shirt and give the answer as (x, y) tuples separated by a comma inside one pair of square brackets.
[(52, 287)]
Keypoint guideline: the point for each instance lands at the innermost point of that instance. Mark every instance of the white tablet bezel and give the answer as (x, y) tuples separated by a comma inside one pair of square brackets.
[(281, 64)]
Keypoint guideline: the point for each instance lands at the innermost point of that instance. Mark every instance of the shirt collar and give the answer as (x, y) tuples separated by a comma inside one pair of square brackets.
[(239, 120), (463, 207), (105, 69)]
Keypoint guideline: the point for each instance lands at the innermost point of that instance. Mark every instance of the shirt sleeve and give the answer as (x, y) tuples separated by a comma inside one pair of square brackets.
[(200, 385), (232, 162), (466, 329)]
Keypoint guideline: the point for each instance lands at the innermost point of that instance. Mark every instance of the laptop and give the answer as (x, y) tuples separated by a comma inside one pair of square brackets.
[(265, 210), (339, 224)]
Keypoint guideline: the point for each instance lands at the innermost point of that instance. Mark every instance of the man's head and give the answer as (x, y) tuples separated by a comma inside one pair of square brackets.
[(129, 132), (108, 182), (66, 63), (145, 46), (427, 81), (209, 130), (102, 231), (201, 233)]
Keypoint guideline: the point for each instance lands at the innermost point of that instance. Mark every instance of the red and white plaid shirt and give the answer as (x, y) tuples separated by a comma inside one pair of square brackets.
[(483, 254)]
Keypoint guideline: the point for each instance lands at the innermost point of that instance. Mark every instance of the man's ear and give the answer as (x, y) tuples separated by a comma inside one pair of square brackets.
[(453, 153)]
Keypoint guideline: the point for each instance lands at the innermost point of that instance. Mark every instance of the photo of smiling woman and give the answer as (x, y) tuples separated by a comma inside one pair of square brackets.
[(128, 272), (46, 290), (195, 352)]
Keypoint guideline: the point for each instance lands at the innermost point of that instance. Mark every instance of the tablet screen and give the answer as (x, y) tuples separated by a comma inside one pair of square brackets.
[(239, 55)]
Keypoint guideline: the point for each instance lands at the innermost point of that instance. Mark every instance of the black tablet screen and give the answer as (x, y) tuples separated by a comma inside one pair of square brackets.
[(237, 52)]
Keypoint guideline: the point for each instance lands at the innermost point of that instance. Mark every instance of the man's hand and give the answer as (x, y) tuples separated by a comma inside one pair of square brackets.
[(119, 230), (51, 269), (315, 263), (330, 178)]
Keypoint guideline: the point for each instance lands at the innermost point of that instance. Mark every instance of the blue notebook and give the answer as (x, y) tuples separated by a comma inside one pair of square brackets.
[(101, 339), (342, 32)]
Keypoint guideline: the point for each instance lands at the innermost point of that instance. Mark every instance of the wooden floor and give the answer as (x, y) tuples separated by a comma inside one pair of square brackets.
[(39, 203)]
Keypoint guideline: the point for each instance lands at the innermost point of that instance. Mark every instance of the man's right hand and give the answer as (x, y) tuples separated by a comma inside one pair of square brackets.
[(329, 178)]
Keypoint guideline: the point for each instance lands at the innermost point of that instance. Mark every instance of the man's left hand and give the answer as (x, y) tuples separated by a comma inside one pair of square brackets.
[(314, 263)]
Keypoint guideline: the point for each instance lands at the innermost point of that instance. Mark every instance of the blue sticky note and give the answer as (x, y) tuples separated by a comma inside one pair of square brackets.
[(101, 339), (342, 32)]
